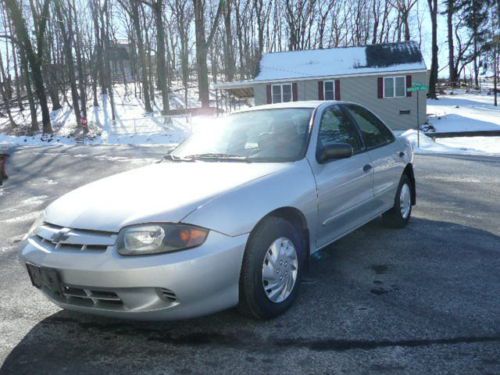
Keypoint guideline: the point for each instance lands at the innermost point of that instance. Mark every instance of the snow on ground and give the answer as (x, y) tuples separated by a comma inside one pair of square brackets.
[(132, 125), (451, 113), (488, 145), (463, 112), (456, 145)]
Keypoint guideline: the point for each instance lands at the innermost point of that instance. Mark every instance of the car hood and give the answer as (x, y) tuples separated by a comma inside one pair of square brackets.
[(163, 192)]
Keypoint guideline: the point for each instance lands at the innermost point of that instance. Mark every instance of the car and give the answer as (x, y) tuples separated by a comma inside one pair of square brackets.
[(228, 218)]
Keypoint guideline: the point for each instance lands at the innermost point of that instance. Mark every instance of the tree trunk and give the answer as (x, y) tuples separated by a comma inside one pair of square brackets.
[(134, 15), (161, 65), (433, 9), (105, 26), (202, 46), (16, 70), (3, 93), (148, 49), (82, 77), (68, 53), (450, 10), (228, 45), (27, 82), (33, 59), (495, 73), (201, 53)]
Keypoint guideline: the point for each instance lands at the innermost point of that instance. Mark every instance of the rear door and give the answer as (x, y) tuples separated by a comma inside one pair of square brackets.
[(344, 186), (386, 155)]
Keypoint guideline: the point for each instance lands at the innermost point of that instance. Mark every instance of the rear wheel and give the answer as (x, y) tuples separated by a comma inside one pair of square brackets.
[(272, 269), (399, 215)]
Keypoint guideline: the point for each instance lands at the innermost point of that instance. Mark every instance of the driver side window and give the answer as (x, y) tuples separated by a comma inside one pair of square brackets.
[(336, 127)]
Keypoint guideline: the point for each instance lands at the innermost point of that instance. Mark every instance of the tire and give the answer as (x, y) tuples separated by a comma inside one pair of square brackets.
[(399, 215), (258, 299)]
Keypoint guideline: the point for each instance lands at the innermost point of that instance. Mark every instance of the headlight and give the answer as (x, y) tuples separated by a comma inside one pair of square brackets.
[(37, 223), (159, 238)]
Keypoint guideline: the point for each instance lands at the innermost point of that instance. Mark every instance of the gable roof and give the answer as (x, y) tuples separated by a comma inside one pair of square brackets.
[(371, 59)]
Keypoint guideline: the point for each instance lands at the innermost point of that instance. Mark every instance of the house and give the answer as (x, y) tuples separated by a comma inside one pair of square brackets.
[(121, 61), (376, 76)]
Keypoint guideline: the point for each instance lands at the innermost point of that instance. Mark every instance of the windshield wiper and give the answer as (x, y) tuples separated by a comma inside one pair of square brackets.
[(215, 156), (171, 157)]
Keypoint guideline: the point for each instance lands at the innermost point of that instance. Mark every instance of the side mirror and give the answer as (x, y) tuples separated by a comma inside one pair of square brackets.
[(335, 151)]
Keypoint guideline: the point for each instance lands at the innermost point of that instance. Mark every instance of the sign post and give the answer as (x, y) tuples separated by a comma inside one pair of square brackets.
[(417, 87)]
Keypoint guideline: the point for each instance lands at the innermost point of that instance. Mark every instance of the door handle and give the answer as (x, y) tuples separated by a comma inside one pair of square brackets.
[(367, 168), (401, 154)]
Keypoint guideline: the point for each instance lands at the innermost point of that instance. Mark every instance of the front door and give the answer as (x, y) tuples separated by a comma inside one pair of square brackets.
[(344, 186)]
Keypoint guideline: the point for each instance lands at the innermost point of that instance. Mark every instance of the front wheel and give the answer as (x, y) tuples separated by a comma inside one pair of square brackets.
[(272, 269), (399, 215)]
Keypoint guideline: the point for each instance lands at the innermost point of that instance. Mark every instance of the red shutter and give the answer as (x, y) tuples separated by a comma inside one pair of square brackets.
[(295, 95), (380, 87), (321, 95), (269, 94), (408, 85), (337, 89)]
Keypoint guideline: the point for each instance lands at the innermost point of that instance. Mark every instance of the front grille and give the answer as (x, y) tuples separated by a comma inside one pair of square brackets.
[(92, 298), (53, 238)]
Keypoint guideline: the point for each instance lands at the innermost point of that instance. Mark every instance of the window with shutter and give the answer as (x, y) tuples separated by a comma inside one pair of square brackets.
[(282, 93), (394, 87), (329, 90)]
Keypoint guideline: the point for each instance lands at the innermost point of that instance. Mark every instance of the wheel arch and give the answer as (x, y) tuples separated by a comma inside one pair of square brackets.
[(295, 217)]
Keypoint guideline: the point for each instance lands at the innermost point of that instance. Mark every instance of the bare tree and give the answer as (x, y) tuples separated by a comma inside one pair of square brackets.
[(33, 58), (132, 7), (161, 66), (433, 10), (202, 45), (66, 26), (404, 8), (228, 41)]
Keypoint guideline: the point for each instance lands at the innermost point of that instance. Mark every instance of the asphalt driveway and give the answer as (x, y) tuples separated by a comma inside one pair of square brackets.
[(425, 299)]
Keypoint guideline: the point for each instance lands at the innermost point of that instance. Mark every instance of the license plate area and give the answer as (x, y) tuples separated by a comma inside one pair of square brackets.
[(47, 279)]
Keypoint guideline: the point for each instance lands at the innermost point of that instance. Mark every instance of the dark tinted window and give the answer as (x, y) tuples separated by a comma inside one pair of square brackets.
[(374, 132), (337, 127)]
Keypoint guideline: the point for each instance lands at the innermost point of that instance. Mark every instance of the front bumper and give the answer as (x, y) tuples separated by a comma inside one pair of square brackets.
[(168, 286)]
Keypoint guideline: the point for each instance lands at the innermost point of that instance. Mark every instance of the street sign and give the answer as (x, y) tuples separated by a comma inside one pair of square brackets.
[(418, 87)]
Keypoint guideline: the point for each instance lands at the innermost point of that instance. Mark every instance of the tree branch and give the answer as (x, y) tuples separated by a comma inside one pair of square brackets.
[(215, 24)]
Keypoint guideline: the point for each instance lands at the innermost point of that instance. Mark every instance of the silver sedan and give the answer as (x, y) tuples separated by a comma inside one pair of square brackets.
[(229, 218)]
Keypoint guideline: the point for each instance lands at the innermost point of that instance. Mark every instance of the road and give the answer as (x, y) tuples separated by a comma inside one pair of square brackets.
[(425, 299)]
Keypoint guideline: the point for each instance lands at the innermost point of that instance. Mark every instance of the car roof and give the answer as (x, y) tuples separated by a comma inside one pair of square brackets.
[(298, 104)]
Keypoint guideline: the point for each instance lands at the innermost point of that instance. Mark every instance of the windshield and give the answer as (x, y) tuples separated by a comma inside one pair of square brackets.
[(269, 135)]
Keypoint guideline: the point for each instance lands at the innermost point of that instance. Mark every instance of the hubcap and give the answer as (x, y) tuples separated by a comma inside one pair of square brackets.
[(405, 201), (279, 270)]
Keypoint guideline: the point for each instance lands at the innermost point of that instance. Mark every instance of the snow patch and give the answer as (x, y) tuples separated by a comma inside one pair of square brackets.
[(32, 216), (463, 112), (35, 200), (461, 146)]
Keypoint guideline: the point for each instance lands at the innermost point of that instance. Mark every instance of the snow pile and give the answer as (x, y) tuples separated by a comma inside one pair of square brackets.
[(463, 112)]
